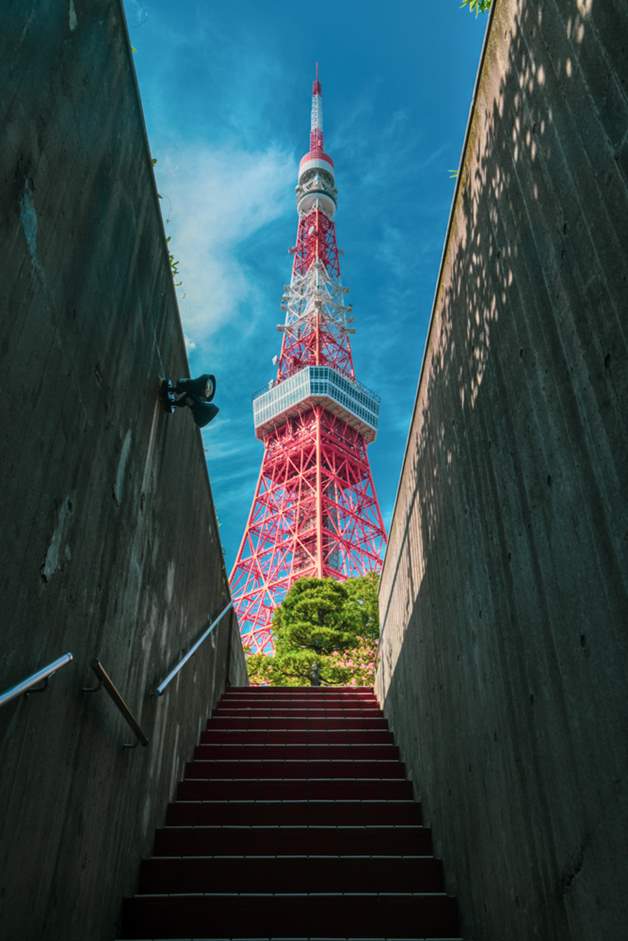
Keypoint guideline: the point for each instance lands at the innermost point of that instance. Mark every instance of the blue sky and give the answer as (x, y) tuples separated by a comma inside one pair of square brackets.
[(226, 94)]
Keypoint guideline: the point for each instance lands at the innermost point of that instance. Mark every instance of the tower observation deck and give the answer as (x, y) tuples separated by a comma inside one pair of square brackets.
[(315, 511)]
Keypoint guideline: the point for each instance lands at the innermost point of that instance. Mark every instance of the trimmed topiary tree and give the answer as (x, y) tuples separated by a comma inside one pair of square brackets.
[(324, 628)]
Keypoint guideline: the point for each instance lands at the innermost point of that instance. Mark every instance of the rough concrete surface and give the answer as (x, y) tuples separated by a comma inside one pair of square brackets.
[(504, 595), (109, 544)]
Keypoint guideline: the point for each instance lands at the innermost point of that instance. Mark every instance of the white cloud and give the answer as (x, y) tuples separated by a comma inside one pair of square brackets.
[(136, 13), (213, 201)]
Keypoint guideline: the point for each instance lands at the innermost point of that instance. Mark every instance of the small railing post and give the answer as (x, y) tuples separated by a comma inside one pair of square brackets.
[(105, 682), (315, 674)]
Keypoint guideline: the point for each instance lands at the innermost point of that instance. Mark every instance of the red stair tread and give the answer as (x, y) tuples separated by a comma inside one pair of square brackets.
[(307, 690), (287, 768), (295, 788), (292, 874), (297, 736), (296, 722), (293, 751), (191, 813), (296, 710), (294, 820), (256, 916), (260, 840), (297, 696)]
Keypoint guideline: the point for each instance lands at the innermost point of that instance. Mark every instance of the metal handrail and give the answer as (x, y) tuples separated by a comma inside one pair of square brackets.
[(159, 691), (105, 682), (41, 676)]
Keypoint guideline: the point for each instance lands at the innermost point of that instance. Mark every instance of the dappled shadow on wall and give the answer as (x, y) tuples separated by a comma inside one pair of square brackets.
[(527, 282), (519, 407)]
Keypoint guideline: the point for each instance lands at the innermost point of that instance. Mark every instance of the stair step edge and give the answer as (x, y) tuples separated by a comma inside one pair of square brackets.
[(410, 857), (296, 826), (293, 780), (292, 895), (342, 801)]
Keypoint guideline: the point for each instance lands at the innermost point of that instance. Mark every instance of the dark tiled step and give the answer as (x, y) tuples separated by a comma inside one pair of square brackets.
[(238, 752), (292, 874), (295, 789), (306, 813), (301, 690), (297, 712), (316, 937), (294, 705), (300, 696), (287, 722), (236, 916), (253, 841), (283, 702), (285, 768), (297, 736)]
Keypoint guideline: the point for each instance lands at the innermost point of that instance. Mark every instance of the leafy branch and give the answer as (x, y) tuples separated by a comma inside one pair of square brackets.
[(172, 261), (476, 6)]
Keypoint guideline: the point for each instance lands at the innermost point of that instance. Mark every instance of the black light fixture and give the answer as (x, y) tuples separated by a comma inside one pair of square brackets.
[(195, 394)]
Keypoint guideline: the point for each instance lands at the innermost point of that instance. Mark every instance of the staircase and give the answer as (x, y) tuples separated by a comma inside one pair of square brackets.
[(294, 820)]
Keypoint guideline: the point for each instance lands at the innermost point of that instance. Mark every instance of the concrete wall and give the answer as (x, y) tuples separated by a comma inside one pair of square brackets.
[(504, 594), (109, 544)]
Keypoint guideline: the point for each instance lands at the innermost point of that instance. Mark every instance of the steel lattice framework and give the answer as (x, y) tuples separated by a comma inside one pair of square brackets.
[(315, 510)]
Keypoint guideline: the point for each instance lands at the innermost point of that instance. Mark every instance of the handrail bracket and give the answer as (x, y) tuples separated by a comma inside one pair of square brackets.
[(37, 682)]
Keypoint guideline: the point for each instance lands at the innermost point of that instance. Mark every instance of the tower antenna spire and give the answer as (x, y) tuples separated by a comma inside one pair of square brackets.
[(316, 123)]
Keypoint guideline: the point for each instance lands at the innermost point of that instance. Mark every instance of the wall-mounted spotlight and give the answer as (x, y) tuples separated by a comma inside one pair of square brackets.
[(195, 394)]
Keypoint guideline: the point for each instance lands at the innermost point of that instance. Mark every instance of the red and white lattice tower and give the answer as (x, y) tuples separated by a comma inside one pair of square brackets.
[(315, 512)]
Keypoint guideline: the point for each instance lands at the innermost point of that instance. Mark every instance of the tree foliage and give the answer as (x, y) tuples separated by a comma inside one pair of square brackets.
[(323, 625), (477, 6)]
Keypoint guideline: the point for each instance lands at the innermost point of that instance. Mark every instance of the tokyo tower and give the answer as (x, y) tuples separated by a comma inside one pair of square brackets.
[(315, 511)]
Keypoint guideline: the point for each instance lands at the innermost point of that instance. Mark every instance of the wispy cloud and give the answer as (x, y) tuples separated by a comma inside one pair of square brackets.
[(136, 13), (230, 439), (214, 201)]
